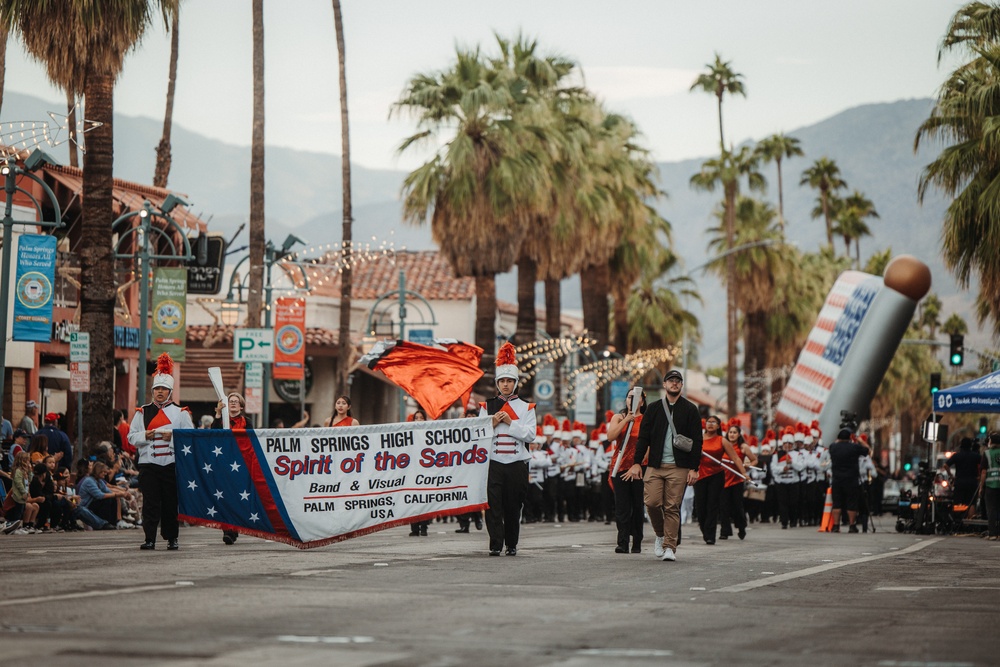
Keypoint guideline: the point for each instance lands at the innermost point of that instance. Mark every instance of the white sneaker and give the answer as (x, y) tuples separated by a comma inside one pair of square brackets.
[(668, 554), (12, 527), (658, 547), (122, 525), (21, 531)]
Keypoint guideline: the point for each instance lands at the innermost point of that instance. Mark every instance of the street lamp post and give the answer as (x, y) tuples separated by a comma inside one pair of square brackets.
[(142, 256), (11, 172), (231, 305)]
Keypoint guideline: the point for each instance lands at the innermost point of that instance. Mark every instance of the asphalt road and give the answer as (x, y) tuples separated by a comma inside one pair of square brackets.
[(781, 597)]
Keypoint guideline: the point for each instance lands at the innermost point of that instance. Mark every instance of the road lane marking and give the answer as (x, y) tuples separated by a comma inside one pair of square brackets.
[(818, 569), (304, 639), (93, 594), (626, 652), (911, 589)]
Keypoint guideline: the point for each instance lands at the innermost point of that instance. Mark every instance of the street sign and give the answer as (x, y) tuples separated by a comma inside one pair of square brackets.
[(79, 346), (254, 376), (255, 400), (79, 376), (544, 390), (422, 336), (253, 345)]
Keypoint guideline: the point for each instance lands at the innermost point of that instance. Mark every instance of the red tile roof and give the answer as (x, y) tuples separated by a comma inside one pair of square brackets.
[(427, 273), (223, 335), (128, 195)]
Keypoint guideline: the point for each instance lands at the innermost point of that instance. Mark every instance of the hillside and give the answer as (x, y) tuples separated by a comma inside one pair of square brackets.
[(872, 144)]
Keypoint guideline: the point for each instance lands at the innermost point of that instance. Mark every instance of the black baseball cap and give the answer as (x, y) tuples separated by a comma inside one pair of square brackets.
[(20, 433), (673, 375)]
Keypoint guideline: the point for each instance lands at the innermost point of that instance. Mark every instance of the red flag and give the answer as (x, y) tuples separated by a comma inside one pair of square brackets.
[(471, 353), (434, 378)]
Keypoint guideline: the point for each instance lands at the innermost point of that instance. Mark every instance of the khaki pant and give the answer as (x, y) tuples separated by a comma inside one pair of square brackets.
[(663, 491)]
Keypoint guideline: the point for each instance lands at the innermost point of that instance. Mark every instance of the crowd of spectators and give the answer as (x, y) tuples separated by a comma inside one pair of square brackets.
[(43, 491)]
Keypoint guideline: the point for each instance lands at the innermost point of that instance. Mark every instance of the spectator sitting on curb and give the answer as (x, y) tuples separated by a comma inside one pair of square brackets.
[(99, 498)]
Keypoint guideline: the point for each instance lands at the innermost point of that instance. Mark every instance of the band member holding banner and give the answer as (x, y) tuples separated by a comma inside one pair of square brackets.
[(342, 413), (624, 431), (513, 428), (731, 506), (238, 421), (151, 432)]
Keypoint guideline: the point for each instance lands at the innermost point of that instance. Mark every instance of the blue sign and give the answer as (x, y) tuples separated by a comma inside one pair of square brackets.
[(36, 271), (422, 336), (619, 392)]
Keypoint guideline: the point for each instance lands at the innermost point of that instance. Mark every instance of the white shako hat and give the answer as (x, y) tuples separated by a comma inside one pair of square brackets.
[(164, 375), (506, 363)]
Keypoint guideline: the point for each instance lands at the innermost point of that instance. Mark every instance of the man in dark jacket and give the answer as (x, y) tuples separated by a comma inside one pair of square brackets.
[(671, 468)]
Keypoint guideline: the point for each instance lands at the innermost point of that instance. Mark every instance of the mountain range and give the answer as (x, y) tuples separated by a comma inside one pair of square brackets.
[(872, 144)]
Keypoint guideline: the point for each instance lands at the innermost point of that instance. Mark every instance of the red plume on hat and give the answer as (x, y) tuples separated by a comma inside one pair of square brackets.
[(506, 363), (753, 441), (608, 415), (164, 375)]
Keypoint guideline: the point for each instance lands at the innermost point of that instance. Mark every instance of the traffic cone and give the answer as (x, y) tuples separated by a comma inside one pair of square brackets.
[(826, 525)]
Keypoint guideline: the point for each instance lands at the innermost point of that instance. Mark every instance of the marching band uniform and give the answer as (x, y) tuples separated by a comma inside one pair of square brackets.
[(157, 476), (537, 465), (785, 475), (507, 482)]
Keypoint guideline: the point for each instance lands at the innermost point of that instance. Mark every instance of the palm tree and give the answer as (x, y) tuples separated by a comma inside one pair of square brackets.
[(968, 168), (955, 326), (756, 271), (639, 250), (628, 177), (776, 148), (878, 261), (74, 157), (895, 398), (657, 316), (479, 189), (719, 80), (727, 170), (346, 284), (824, 175), (544, 107), (255, 293), (163, 157), (3, 62), (930, 314), (83, 46), (850, 216)]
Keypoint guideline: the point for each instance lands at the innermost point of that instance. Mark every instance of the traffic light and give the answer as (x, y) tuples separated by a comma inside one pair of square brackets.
[(983, 424), (935, 383), (957, 356)]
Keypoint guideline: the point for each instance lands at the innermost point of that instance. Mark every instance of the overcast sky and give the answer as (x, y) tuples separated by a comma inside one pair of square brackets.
[(802, 62)]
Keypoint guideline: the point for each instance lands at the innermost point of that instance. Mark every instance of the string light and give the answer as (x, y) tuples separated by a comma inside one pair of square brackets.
[(27, 134)]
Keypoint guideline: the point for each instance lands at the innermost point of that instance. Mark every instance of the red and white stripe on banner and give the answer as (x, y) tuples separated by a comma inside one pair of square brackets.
[(812, 378)]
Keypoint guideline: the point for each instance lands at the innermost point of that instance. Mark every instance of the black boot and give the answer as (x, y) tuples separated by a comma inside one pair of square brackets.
[(423, 530), (148, 545)]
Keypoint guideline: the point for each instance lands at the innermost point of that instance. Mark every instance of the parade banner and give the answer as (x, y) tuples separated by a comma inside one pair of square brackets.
[(36, 272), (289, 339), (169, 312), (315, 486)]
